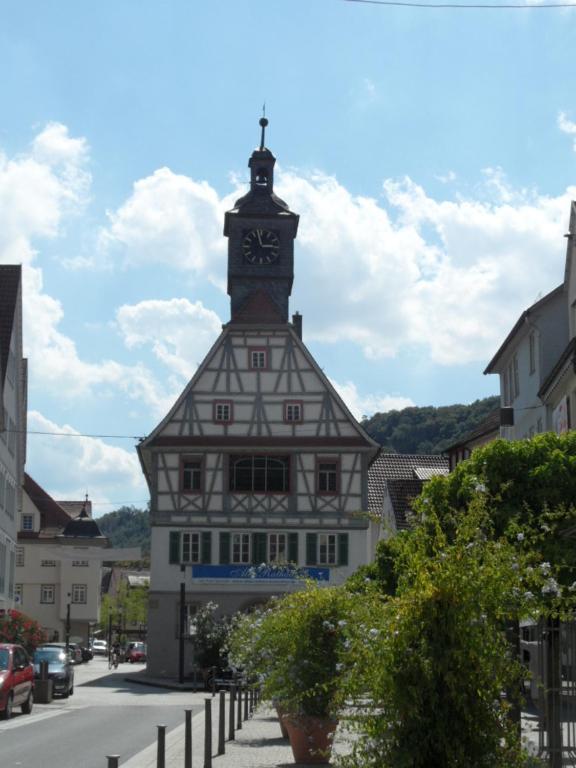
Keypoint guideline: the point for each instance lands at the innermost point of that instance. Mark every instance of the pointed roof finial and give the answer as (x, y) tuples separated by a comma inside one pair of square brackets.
[(263, 124)]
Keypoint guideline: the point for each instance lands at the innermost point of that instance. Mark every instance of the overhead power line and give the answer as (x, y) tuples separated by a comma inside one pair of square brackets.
[(73, 434), (465, 6)]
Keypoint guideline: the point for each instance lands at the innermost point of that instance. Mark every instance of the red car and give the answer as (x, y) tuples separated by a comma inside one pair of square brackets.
[(16, 680), (136, 652)]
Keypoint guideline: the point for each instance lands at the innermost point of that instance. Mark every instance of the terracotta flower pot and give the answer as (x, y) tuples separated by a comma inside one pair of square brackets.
[(310, 738), (280, 714)]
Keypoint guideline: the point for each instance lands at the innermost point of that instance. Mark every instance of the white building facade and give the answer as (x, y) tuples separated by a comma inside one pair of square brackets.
[(13, 384), (259, 472)]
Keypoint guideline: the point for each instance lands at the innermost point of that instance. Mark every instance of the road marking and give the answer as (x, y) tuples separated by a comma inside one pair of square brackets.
[(22, 720)]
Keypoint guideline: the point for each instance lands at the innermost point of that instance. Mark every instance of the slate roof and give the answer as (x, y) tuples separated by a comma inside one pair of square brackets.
[(387, 467), (10, 277), (51, 513), (82, 527), (402, 493)]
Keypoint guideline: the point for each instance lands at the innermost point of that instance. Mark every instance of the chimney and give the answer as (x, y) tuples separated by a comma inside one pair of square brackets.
[(297, 323)]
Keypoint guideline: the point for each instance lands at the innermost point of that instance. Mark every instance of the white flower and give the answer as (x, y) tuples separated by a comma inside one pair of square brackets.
[(374, 632), (339, 667), (520, 536), (551, 587), (342, 623), (480, 488), (545, 567), (528, 595), (572, 586)]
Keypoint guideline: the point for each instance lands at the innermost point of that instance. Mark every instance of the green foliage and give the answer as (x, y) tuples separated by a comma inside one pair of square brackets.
[(127, 527), (128, 606), (294, 647), (16, 627), (428, 429), (529, 487), (434, 660)]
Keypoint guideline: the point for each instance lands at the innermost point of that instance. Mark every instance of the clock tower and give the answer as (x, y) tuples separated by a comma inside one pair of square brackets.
[(260, 231)]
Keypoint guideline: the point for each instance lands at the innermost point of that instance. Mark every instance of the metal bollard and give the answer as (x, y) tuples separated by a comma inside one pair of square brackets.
[(112, 761), (188, 739), (251, 700), (231, 713), (207, 733), (239, 716), (222, 724), (161, 753), (246, 703)]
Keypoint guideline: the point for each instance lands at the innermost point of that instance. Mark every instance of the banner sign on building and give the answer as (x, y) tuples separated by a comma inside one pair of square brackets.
[(561, 417), (259, 573)]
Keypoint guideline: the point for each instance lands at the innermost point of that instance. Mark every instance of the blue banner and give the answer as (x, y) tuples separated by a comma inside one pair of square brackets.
[(259, 572)]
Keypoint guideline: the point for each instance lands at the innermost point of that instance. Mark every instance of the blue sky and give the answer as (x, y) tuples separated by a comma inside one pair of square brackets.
[(429, 153)]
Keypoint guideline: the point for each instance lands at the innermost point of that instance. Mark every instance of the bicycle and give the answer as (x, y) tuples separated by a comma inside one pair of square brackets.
[(113, 660)]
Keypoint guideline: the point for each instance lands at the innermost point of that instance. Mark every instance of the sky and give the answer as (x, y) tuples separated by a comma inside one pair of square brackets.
[(430, 154)]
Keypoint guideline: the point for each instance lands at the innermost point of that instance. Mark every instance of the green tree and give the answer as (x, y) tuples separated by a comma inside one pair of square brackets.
[(128, 606)]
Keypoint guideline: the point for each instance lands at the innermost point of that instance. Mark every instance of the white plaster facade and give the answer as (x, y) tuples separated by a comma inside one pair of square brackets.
[(12, 425)]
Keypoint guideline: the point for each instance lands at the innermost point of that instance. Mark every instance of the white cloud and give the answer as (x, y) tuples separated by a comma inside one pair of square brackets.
[(367, 405), (180, 332), (68, 467), (169, 219), (567, 126)]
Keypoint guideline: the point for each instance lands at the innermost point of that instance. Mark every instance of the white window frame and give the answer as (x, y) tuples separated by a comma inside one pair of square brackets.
[(277, 548), (258, 359), (27, 523), (47, 594), (20, 558), (240, 548), (327, 549), (223, 412), (79, 594), (190, 547), (292, 412)]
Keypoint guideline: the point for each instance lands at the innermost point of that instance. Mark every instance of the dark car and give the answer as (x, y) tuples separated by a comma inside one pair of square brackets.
[(16, 680), (60, 669)]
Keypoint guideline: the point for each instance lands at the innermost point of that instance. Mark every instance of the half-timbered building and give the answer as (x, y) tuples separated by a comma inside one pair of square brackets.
[(258, 475)]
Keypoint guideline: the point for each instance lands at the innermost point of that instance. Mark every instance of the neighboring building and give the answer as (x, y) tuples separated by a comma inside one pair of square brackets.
[(485, 432), (118, 582), (13, 385), (259, 464), (59, 564), (537, 360), (558, 390), (394, 481), (525, 359)]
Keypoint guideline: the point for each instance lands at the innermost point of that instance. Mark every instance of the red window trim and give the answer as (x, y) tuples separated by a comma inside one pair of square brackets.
[(184, 460), (266, 365), (215, 405), (327, 460), (285, 408)]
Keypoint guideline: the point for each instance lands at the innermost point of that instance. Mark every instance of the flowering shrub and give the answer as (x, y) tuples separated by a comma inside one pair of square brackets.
[(433, 660), (16, 627), (295, 648), (211, 634)]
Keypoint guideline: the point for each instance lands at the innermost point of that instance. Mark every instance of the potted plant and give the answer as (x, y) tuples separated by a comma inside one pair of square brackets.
[(295, 647)]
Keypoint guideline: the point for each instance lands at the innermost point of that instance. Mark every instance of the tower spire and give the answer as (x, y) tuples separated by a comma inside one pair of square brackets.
[(263, 124)]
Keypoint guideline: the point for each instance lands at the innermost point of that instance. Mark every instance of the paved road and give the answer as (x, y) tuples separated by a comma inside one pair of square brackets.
[(106, 715)]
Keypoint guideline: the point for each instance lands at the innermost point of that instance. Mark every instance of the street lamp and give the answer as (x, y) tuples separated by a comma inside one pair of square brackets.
[(182, 624), (68, 624)]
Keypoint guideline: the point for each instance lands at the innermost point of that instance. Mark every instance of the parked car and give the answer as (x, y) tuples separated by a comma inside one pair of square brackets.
[(74, 652), (16, 680), (60, 669), (136, 652), (100, 647)]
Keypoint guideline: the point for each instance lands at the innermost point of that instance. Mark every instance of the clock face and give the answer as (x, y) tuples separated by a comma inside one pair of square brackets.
[(260, 246)]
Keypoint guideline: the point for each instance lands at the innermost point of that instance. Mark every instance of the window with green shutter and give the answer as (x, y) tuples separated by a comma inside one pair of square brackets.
[(206, 551), (342, 549), (311, 548), (224, 547), (174, 547), (259, 548)]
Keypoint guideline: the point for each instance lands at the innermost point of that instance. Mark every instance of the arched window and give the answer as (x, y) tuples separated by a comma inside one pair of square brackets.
[(260, 474)]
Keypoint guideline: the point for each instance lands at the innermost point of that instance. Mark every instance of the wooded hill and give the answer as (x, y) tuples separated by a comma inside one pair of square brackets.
[(127, 527), (428, 429)]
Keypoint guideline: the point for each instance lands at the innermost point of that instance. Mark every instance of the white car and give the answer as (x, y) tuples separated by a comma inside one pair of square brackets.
[(100, 647)]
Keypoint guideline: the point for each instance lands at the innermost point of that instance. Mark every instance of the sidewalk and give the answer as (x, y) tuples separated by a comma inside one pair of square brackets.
[(258, 744)]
